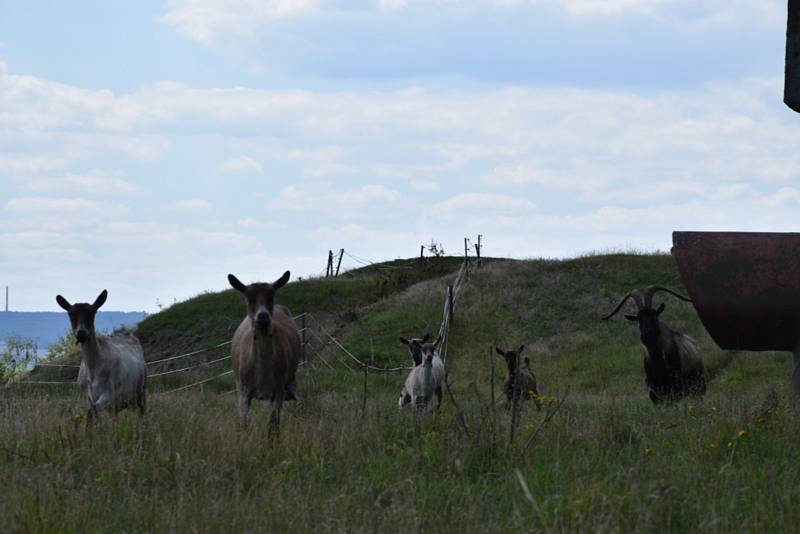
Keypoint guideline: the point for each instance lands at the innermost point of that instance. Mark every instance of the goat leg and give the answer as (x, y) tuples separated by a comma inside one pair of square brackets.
[(274, 425), (796, 377), (244, 409)]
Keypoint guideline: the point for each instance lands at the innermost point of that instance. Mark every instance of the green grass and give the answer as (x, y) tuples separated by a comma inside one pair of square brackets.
[(607, 461)]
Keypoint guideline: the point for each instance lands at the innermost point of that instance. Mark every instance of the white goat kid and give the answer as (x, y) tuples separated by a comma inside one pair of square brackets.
[(112, 370), (424, 380)]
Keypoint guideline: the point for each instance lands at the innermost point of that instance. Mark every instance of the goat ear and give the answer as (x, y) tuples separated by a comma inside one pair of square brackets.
[(100, 300), (521, 348), (64, 303), (426, 338), (660, 309), (236, 284), (500, 352), (280, 282), (438, 340), (632, 318), (527, 361), (403, 340)]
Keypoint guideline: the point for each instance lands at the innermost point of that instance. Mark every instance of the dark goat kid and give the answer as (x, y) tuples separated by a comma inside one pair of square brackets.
[(672, 367), (522, 386)]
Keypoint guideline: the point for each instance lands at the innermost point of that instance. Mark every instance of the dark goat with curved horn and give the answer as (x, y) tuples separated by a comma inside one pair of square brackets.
[(672, 367)]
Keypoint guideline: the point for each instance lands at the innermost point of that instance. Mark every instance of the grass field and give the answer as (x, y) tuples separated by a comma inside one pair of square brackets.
[(608, 460)]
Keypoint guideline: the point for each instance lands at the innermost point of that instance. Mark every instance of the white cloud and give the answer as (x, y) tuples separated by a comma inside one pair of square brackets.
[(243, 164), (537, 170), (32, 164), (72, 206), (320, 170), (208, 21), (357, 235), (258, 224), (520, 174), (424, 185), (475, 202), (326, 198), (606, 7), (192, 205), (782, 197), (391, 5), (95, 182)]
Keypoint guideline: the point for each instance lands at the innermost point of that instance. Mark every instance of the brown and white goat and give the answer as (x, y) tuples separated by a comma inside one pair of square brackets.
[(519, 386), (112, 371), (672, 367), (265, 350), (425, 379)]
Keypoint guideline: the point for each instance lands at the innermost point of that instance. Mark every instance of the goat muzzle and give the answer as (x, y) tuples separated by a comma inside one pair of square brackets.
[(81, 336)]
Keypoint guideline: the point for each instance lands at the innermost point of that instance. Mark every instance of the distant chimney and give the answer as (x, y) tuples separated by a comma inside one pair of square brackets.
[(6, 298)]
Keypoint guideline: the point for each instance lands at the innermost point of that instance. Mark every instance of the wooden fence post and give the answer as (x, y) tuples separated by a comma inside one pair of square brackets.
[(341, 253), (449, 306), (421, 250)]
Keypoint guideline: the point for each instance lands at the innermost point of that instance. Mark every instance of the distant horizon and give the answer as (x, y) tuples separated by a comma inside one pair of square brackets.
[(46, 327)]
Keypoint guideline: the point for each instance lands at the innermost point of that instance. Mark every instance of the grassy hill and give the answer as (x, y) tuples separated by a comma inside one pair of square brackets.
[(608, 460)]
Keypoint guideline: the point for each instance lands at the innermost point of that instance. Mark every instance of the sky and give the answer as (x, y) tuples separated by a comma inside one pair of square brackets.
[(152, 147)]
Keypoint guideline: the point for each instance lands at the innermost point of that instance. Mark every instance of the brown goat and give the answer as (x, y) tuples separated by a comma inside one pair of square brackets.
[(265, 351), (522, 386)]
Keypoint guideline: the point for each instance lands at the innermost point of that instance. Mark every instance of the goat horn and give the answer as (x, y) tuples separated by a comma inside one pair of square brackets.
[(652, 290), (632, 294)]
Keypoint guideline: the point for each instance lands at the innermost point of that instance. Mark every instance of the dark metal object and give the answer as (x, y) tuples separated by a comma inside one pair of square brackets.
[(791, 86), (745, 286)]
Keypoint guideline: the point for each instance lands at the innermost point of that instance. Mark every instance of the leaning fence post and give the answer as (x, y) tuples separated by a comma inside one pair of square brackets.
[(449, 306), (341, 253)]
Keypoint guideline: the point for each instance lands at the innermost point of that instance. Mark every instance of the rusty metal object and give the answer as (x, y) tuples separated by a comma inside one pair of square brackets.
[(745, 286)]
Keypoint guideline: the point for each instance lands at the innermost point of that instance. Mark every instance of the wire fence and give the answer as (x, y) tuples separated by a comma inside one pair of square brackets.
[(319, 333)]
